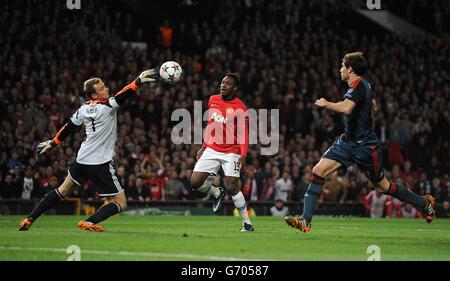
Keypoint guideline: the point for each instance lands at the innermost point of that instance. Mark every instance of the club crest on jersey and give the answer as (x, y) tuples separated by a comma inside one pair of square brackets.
[(219, 118), (230, 110), (349, 93)]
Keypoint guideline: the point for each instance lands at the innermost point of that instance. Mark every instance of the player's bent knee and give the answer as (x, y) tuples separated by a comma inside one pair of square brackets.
[(123, 206), (120, 200), (318, 170), (196, 182), (383, 185)]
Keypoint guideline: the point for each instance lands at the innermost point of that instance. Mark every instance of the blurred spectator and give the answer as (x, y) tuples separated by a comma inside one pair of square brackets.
[(122, 177), (283, 188), (353, 192), (438, 190), (251, 187), (185, 177), (375, 203), (87, 191), (165, 35), (130, 186), (408, 211), (268, 189), (423, 185), (279, 210), (156, 185), (8, 188), (175, 189), (393, 207), (139, 192), (28, 186), (301, 187), (434, 169), (445, 209), (333, 189)]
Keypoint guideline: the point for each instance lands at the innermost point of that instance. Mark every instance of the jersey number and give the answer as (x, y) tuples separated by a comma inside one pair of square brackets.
[(93, 124), (237, 166)]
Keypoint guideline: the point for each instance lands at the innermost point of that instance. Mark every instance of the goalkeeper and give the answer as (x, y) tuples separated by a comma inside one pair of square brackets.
[(95, 158)]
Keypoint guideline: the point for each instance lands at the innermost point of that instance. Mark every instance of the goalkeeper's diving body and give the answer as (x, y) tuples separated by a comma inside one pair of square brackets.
[(95, 158)]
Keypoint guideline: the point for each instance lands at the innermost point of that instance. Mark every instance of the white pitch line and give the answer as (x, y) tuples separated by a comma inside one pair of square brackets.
[(126, 253)]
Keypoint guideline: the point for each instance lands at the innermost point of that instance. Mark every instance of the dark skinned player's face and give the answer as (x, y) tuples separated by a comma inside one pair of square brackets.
[(227, 87)]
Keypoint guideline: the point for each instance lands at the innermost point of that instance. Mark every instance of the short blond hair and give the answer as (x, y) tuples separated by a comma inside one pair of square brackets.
[(88, 86)]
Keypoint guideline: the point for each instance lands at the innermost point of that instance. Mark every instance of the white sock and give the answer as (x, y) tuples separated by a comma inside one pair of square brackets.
[(207, 187), (239, 203)]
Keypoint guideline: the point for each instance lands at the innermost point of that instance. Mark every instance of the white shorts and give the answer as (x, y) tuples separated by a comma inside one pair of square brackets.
[(211, 160)]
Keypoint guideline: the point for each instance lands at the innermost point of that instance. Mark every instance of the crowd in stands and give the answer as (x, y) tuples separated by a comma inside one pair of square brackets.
[(288, 54)]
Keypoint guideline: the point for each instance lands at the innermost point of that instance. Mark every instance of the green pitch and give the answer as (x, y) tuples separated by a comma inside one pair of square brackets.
[(218, 238)]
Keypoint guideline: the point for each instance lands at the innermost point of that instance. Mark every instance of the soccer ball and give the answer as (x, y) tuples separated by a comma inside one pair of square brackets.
[(170, 72)]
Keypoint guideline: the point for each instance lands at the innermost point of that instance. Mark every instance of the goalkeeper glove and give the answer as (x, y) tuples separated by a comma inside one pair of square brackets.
[(147, 76), (44, 146)]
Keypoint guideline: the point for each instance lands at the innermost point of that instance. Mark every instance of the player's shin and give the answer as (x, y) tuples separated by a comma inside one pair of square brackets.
[(239, 203), (311, 196), (104, 212), (403, 194), (49, 201)]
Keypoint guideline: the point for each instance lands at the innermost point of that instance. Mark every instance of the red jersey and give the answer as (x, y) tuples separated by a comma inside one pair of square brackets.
[(155, 185), (227, 129)]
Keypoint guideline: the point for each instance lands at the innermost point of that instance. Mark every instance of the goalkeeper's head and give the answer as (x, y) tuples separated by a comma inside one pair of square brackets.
[(95, 89)]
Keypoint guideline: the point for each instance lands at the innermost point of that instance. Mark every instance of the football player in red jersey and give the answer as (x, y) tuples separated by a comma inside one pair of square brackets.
[(225, 145)]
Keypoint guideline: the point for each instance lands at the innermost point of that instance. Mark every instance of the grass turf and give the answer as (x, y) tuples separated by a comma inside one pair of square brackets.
[(218, 238)]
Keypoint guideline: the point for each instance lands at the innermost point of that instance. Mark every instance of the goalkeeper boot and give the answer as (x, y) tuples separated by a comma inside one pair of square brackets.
[(429, 209), (298, 222), (25, 224), (84, 225), (218, 201)]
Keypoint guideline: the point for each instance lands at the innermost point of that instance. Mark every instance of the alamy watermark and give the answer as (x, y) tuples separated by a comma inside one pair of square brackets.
[(252, 126), (373, 4), (375, 253), (74, 253), (73, 4)]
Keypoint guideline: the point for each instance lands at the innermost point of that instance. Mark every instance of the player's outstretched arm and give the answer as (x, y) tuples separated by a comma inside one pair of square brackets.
[(63, 133), (145, 77), (346, 106)]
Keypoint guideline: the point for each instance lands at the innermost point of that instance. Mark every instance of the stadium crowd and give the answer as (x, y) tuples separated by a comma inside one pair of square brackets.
[(288, 54)]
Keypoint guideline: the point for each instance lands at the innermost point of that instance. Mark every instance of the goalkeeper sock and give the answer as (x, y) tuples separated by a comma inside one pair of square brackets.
[(104, 212), (50, 200), (403, 194), (239, 203), (207, 187), (312, 195)]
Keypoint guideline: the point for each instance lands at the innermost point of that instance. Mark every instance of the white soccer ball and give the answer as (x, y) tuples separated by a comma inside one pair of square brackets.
[(170, 72)]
